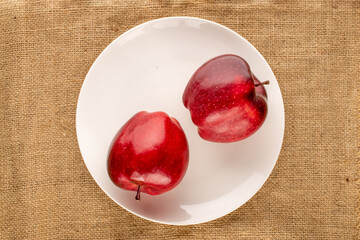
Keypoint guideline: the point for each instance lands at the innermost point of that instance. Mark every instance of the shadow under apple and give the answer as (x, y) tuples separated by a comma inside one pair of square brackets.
[(228, 167), (157, 208)]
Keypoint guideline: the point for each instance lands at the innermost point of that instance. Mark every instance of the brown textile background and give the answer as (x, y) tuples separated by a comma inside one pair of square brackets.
[(47, 47)]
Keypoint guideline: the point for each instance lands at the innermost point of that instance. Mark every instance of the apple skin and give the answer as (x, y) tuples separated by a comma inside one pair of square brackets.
[(149, 154), (226, 101)]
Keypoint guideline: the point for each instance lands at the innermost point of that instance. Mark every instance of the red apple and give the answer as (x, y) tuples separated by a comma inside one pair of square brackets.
[(226, 101), (149, 154)]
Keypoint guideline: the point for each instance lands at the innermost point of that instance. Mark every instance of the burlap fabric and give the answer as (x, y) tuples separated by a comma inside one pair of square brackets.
[(47, 47)]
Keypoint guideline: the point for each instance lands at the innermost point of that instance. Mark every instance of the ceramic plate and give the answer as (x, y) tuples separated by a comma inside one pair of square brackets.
[(147, 68)]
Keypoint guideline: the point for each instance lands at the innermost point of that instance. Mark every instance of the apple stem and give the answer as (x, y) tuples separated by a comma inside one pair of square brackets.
[(263, 83), (137, 197)]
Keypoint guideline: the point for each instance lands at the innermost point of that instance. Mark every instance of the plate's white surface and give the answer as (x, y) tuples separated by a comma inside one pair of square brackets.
[(147, 68)]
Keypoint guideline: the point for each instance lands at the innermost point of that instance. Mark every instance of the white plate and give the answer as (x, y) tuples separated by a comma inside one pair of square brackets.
[(147, 68)]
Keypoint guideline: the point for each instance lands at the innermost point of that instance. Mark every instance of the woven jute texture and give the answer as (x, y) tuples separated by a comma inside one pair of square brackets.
[(47, 47)]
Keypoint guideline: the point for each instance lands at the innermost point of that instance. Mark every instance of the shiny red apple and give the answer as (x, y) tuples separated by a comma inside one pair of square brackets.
[(226, 101), (149, 154)]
